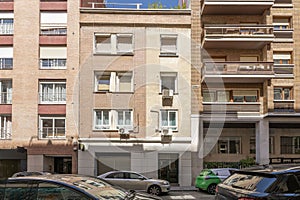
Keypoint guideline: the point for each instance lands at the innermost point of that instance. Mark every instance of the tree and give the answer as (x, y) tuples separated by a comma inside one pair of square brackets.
[(156, 5)]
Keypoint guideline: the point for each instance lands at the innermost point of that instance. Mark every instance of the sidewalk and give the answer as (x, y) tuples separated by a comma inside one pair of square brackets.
[(183, 188)]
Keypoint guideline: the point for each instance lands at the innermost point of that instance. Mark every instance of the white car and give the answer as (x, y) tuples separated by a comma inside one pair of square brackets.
[(135, 181)]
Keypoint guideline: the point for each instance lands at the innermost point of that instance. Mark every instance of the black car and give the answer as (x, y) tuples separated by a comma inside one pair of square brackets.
[(261, 184), (64, 187)]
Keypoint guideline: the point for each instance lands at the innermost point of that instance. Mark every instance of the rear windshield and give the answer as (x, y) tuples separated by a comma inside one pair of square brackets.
[(250, 182)]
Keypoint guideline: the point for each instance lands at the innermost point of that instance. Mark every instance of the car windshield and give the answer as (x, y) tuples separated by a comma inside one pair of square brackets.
[(250, 182)]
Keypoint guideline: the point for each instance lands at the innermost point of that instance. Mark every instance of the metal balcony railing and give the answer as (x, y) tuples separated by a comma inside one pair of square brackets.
[(53, 63), (56, 132), (238, 30), (50, 30), (6, 29), (6, 63), (104, 4), (284, 105), (53, 97), (5, 133), (237, 67), (5, 97)]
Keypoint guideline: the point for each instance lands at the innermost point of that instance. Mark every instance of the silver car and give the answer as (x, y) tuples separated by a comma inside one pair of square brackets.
[(135, 181)]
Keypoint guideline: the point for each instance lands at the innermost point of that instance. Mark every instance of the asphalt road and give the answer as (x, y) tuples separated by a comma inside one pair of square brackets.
[(187, 195)]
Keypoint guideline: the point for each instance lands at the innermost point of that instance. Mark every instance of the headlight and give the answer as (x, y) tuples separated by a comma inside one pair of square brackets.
[(165, 183)]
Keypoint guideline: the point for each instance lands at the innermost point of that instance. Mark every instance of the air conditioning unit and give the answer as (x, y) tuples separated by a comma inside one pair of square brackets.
[(166, 93)]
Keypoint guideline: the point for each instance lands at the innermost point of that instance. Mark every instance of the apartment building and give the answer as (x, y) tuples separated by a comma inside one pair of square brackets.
[(38, 70), (249, 81), (135, 71)]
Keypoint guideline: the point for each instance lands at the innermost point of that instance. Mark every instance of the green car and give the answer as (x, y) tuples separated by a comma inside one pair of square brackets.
[(208, 179)]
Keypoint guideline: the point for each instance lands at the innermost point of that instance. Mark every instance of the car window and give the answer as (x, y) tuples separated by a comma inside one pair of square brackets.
[(20, 190), (250, 182), (289, 184), (134, 176), (49, 191), (116, 175), (205, 172)]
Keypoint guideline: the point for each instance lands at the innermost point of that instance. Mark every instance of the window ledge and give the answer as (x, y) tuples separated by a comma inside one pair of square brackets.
[(104, 92), (113, 54), (175, 93), (169, 55), (105, 130)]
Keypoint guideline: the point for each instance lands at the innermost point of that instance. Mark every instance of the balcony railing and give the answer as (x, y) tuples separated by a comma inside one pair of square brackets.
[(237, 68), (231, 107), (6, 63), (284, 70), (5, 97), (54, 133), (53, 63), (48, 30), (98, 4), (5, 133), (238, 30), (52, 98), (284, 105), (6, 29)]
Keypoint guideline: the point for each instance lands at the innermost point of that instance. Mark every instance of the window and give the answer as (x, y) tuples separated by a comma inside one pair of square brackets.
[(6, 23), (168, 81), (169, 119), (281, 93), (229, 145), (6, 58), (168, 44), (53, 23), (253, 145), (244, 96), (209, 96), (114, 82), (52, 127), (114, 43), (113, 119), (289, 145), (124, 119), (53, 92), (5, 126), (53, 57), (5, 91), (282, 58), (281, 23)]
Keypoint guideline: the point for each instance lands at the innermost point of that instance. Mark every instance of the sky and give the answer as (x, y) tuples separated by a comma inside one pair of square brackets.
[(165, 3)]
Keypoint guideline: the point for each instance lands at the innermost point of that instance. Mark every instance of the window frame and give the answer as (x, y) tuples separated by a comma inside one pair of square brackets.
[(228, 141), (175, 84), (54, 127), (168, 126), (164, 49), (282, 93), (63, 96)]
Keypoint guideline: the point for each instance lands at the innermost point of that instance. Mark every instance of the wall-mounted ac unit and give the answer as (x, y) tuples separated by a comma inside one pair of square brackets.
[(167, 93)]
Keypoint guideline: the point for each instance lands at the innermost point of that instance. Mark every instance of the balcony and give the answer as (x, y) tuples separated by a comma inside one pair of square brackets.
[(5, 97), (53, 98), (284, 70), (234, 7), (5, 133), (231, 107), (7, 29), (237, 36), (286, 106), (6, 63), (283, 35), (237, 72), (53, 63), (52, 133)]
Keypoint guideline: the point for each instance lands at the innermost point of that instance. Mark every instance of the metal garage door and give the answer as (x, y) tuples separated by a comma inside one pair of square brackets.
[(112, 161)]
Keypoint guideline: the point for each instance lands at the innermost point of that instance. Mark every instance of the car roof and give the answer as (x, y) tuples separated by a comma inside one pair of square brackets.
[(274, 170), (121, 171), (87, 184)]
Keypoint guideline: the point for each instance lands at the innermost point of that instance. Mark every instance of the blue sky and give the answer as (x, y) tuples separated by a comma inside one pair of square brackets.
[(165, 3)]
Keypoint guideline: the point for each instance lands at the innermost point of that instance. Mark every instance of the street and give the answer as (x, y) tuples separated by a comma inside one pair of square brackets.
[(188, 195)]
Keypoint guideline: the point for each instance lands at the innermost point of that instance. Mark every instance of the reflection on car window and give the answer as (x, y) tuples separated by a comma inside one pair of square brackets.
[(290, 184), (116, 175), (250, 182), (134, 176), (20, 190)]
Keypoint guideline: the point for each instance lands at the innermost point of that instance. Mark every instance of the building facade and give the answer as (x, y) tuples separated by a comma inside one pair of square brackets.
[(135, 69), (39, 63)]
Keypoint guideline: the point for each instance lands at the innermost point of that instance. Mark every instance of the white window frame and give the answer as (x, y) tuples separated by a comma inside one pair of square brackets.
[(61, 98), (114, 80), (168, 126), (6, 28), (124, 125), (54, 128), (165, 50), (5, 126), (112, 45), (169, 74), (6, 97), (102, 126)]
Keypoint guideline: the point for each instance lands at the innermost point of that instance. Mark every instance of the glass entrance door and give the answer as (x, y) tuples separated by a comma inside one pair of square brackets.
[(168, 167)]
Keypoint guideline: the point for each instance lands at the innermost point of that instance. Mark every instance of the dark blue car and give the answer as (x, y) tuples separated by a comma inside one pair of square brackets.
[(261, 184)]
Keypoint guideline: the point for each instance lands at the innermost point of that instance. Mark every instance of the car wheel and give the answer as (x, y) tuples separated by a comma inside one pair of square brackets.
[(154, 190), (211, 189)]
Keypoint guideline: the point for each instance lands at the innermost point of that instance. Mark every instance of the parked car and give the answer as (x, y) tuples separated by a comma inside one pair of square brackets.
[(33, 173), (65, 187), (208, 179), (135, 181), (261, 184)]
